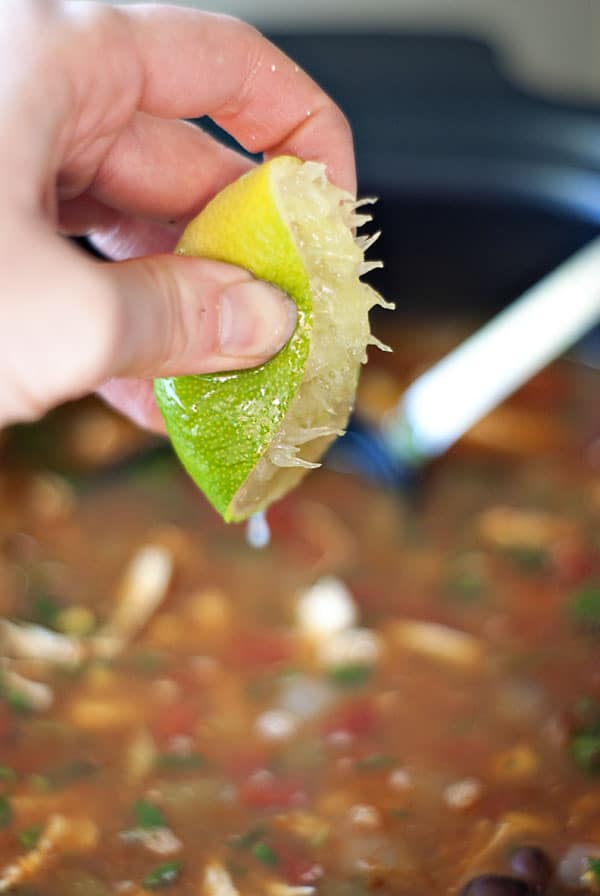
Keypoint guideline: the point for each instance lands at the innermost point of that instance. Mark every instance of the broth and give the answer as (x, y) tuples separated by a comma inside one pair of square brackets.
[(400, 695)]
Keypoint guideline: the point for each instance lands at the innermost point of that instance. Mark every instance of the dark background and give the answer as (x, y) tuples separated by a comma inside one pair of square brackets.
[(482, 186)]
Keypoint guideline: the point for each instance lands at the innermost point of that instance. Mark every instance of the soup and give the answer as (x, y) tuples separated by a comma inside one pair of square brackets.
[(400, 695)]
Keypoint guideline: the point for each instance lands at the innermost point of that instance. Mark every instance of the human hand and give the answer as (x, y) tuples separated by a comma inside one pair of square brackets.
[(89, 101)]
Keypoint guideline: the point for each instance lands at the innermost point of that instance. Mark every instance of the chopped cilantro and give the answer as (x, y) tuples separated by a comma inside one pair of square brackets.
[(148, 662), (585, 750), (260, 688), (466, 588), (18, 702), (376, 761), (465, 726), (30, 836), (265, 854), (585, 741), (162, 876), (45, 610), (148, 816), (7, 774), (465, 579), (235, 869), (6, 812), (584, 606), (400, 813), (352, 887), (351, 675), (249, 839), (529, 559), (66, 774), (288, 672), (585, 706), (595, 869), (179, 762)]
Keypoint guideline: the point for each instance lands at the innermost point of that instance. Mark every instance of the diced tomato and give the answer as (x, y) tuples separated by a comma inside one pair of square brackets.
[(296, 866), (175, 720), (270, 792), (367, 595), (290, 527), (282, 518), (572, 562), (358, 718), (263, 648), (467, 754), (241, 765)]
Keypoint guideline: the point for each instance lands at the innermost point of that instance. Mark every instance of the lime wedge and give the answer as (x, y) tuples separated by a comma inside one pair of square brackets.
[(247, 437)]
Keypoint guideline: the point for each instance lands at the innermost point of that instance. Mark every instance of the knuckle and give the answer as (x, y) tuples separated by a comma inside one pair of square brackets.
[(18, 401), (35, 12), (337, 121), (243, 30), (251, 47), (96, 325), (169, 336)]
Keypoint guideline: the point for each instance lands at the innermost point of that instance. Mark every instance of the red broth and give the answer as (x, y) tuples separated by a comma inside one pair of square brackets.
[(401, 695)]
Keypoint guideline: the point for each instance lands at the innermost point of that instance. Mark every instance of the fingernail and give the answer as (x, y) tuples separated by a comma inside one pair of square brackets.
[(255, 320)]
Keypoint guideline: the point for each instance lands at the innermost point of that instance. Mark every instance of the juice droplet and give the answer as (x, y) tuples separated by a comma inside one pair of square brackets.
[(258, 533)]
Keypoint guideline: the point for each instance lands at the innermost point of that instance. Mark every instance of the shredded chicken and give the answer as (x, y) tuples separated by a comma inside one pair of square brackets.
[(61, 836), (513, 527), (514, 827), (305, 825), (36, 694), (140, 755), (161, 841), (518, 763), (278, 888), (105, 713), (217, 881), (439, 642), (142, 589), (38, 643)]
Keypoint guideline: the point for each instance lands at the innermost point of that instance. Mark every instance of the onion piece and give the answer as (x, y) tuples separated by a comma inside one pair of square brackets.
[(276, 724), (304, 697), (363, 851), (360, 646), (326, 607), (463, 794)]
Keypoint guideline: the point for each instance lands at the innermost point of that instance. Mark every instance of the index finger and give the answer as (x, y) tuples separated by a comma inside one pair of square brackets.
[(196, 63)]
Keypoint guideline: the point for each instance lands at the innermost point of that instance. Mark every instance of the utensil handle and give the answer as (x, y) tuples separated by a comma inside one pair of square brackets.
[(459, 390)]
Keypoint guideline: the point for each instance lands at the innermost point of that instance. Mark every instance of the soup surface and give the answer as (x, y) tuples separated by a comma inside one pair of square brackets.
[(400, 695)]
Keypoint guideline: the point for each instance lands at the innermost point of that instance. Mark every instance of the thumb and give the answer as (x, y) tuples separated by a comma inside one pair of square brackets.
[(68, 323), (188, 315)]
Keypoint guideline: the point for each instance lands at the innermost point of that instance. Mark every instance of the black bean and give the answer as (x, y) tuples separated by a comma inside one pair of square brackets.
[(496, 885), (533, 865)]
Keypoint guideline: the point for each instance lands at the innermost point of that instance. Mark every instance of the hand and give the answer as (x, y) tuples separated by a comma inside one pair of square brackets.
[(90, 98)]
